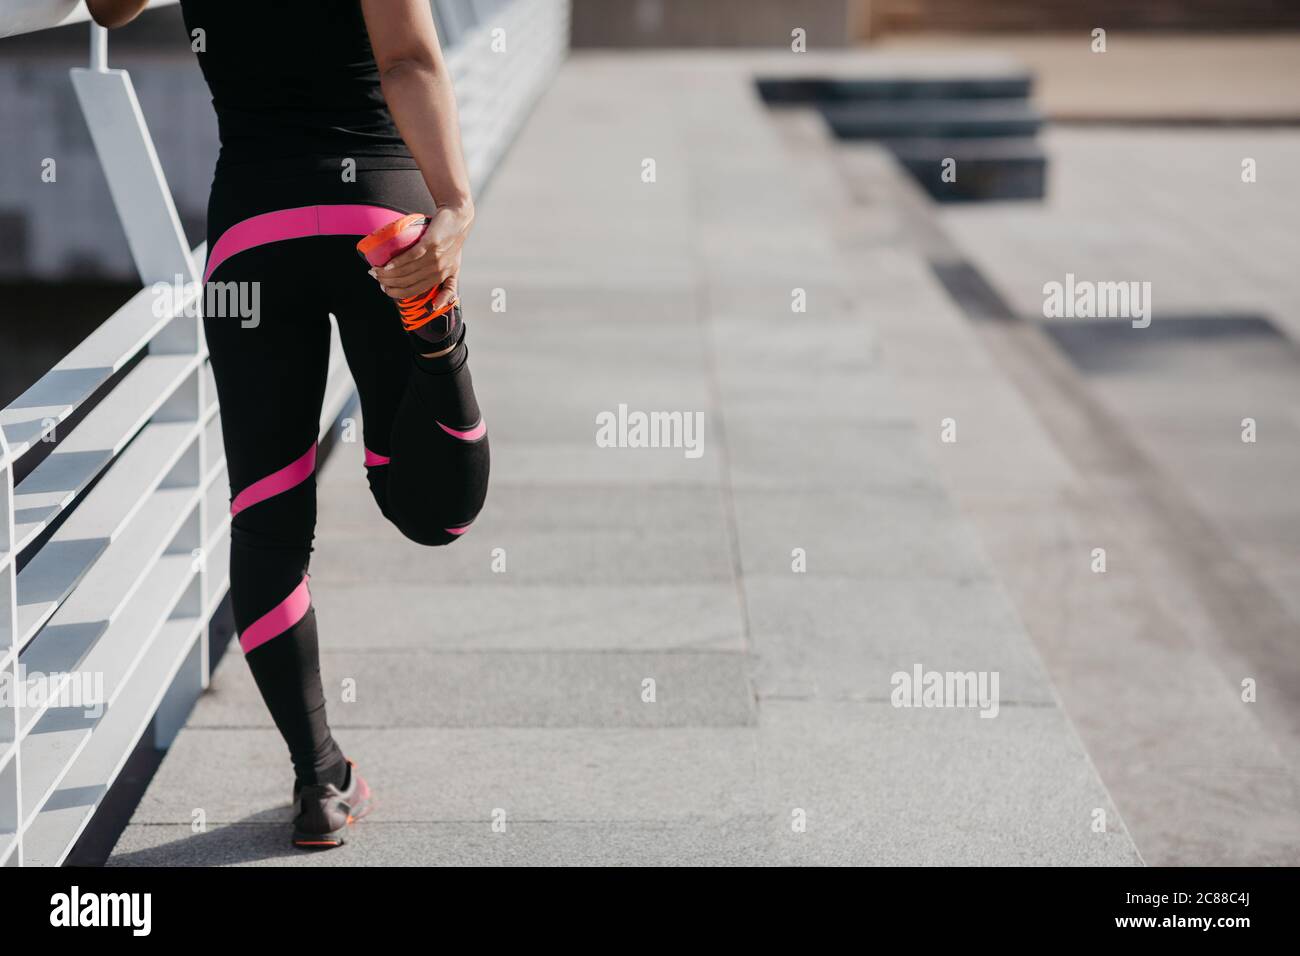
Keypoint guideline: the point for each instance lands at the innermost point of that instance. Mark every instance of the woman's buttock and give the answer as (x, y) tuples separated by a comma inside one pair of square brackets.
[(252, 211), (235, 200)]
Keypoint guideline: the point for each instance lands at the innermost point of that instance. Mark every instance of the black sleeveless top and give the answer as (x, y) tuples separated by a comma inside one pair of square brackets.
[(295, 86)]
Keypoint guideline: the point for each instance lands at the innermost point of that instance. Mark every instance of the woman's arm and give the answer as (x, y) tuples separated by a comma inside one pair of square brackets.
[(418, 90), (115, 13)]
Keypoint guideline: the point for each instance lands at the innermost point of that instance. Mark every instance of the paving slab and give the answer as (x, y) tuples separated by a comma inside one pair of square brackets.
[(880, 784), (453, 774), (534, 618), (909, 536), (738, 842), (843, 639), (606, 535), (551, 688)]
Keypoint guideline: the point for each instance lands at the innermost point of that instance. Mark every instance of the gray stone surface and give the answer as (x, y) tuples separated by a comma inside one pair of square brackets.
[(422, 774), (835, 638), (606, 535), (909, 536), (531, 618), (923, 787), (519, 690), (733, 842), (551, 688), (1149, 657)]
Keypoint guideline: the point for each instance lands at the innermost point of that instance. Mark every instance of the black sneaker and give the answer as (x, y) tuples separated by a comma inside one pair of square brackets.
[(326, 811)]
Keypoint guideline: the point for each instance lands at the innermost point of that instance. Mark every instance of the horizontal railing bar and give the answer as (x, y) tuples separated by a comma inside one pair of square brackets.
[(81, 558), (140, 552), (54, 742), (60, 391), (31, 16), (81, 646), (95, 443), (49, 838)]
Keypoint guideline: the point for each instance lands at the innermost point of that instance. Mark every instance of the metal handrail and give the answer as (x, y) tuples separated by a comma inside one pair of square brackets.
[(114, 527), (31, 16)]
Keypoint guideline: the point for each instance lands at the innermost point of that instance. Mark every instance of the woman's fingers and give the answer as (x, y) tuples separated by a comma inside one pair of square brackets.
[(431, 263), (447, 293), (433, 259), (416, 283)]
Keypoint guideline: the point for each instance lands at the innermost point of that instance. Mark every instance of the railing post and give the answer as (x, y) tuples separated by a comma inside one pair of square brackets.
[(98, 48), (8, 624), (130, 162), (10, 775)]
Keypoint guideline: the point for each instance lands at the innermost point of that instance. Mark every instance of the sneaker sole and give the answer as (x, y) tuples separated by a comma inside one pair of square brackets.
[(336, 838)]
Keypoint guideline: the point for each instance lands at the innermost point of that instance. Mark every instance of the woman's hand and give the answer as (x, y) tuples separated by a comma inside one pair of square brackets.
[(114, 13), (434, 260)]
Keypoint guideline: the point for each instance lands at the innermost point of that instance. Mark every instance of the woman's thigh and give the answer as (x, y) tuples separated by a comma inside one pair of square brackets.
[(268, 341)]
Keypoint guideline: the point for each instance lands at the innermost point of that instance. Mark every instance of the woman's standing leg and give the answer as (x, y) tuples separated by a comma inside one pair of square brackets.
[(270, 371)]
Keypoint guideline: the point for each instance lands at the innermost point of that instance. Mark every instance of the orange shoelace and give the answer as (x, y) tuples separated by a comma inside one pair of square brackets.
[(414, 312)]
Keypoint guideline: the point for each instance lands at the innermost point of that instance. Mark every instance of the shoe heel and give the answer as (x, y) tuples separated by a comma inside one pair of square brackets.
[(320, 841)]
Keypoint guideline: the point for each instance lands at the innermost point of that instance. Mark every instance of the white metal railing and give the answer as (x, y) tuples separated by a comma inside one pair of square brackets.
[(114, 505)]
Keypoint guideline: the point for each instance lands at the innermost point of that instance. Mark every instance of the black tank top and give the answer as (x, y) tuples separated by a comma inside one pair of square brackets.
[(295, 86)]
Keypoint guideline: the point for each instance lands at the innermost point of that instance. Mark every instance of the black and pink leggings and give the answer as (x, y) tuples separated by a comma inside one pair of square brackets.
[(282, 258)]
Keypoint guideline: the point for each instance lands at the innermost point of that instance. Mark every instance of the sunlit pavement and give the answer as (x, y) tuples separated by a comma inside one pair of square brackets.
[(645, 655)]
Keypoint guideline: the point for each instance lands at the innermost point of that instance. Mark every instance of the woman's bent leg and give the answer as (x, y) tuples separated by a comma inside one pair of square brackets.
[(426, 446)]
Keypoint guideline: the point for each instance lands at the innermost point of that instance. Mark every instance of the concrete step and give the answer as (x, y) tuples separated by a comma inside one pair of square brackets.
[(986, 168), (933, 118), (809, 89)]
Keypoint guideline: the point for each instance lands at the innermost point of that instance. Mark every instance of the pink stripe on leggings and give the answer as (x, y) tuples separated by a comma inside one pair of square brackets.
[(279, 619), (297, 223), (457, 530), (373, 459), (277, 482), (473, 434)]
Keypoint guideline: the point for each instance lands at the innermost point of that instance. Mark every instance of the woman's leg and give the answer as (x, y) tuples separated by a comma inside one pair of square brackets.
[(426, 446), (270, 371)]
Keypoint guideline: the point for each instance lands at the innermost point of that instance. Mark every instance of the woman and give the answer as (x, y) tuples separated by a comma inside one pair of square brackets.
[(336, 119)]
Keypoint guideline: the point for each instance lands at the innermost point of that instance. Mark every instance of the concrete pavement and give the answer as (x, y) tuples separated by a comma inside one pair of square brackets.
[(505, 679)]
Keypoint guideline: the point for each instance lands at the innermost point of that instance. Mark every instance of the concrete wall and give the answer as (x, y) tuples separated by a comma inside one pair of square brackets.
[(695, 23), (885, 16)]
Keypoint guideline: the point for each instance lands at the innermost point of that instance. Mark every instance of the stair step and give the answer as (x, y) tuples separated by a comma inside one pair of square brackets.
[(932, 119), (808, 89), (996, 168)]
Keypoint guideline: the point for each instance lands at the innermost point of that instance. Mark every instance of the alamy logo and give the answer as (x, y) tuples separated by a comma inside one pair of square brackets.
[(102, 909), (922, 688), (220, 300), (625, 429), (1082, 299), (74, 690)]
